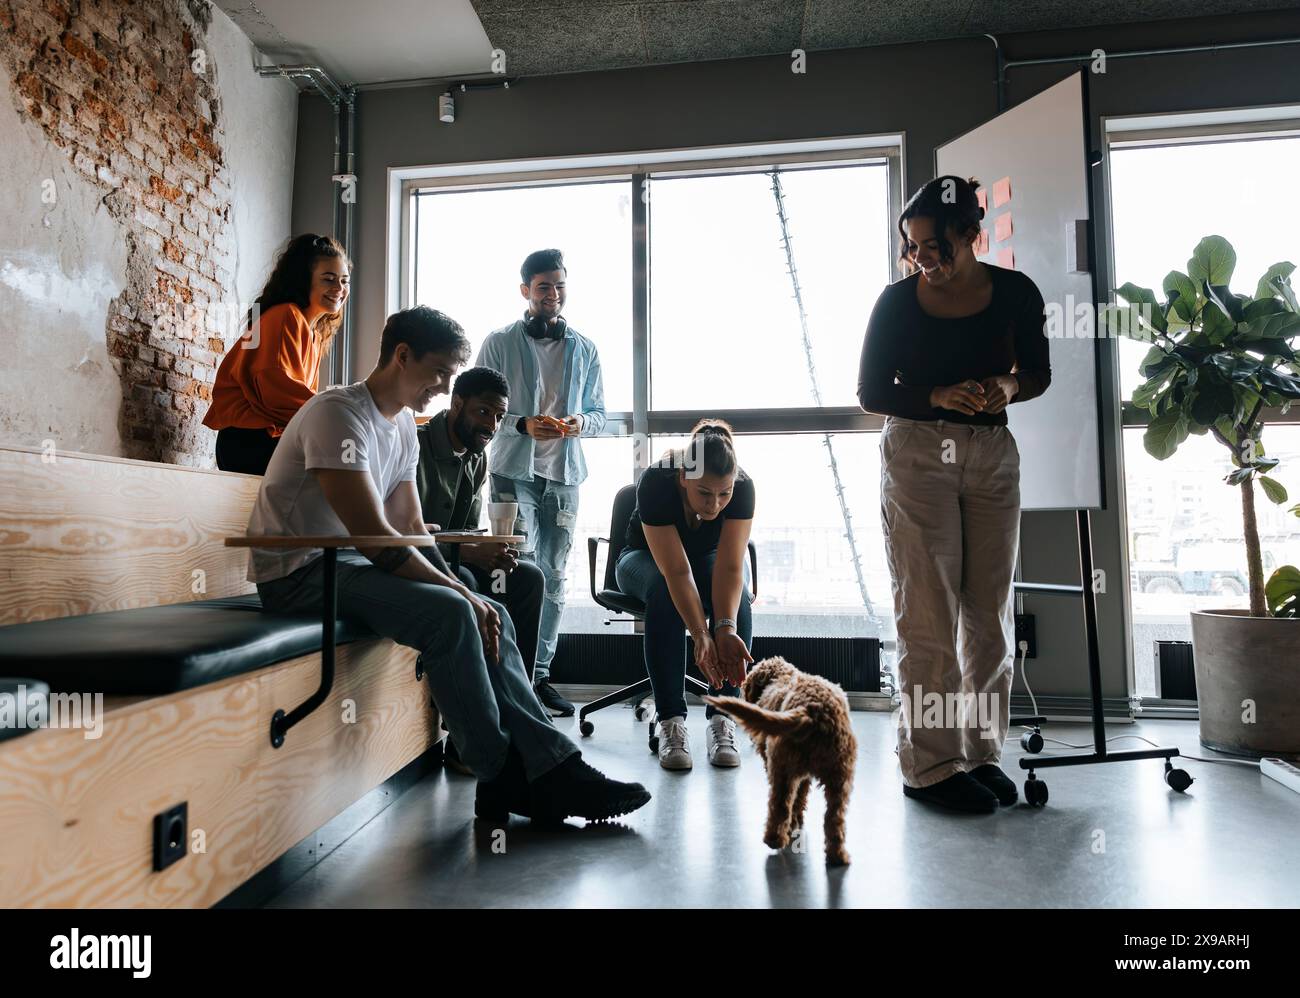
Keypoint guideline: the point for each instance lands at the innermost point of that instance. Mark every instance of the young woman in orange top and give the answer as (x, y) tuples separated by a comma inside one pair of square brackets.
[(265, 378)]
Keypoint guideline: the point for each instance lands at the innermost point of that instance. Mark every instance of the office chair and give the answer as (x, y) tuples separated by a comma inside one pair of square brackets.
[(616, 601)]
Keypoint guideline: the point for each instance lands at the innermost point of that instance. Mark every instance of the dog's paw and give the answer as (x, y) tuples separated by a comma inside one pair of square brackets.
[(776, 839)]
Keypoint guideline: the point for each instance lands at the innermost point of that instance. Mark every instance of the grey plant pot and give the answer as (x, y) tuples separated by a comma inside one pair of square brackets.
[(1241, 659)]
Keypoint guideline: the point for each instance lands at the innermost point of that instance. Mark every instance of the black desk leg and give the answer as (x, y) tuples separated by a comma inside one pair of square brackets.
[(280, 722)]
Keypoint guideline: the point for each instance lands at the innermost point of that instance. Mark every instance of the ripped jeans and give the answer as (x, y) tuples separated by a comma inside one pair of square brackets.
[(548, 513)]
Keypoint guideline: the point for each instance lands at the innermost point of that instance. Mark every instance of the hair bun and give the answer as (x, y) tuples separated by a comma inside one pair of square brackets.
[(712, 427)]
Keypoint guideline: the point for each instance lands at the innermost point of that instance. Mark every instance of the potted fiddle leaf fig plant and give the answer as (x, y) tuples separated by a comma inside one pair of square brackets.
[(1217, 359)]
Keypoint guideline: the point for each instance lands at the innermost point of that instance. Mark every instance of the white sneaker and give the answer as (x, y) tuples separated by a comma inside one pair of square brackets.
[(722, 741), (674, 744)]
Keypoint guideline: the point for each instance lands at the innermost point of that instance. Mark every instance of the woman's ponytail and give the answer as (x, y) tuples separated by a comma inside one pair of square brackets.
[(712, 449)]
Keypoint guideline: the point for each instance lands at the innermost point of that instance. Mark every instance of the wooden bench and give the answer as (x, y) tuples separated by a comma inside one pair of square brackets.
[(81, 534)]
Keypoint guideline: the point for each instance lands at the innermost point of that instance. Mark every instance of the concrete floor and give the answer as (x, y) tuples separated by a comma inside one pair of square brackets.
[(1110, 836)]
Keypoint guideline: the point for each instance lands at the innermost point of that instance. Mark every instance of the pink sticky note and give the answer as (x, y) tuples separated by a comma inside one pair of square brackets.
[(1002, 227), (1007, 258), (1001, 192), (982, 196), (982, 244)]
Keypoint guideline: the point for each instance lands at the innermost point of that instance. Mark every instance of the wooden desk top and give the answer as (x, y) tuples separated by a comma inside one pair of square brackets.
[(458, 537), (381, 541)]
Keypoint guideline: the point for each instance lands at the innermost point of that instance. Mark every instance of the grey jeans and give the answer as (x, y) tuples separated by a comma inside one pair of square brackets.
[(485, 706), (950, 507)]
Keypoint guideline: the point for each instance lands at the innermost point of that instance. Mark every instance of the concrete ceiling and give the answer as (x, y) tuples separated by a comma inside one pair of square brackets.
[(384, 41)]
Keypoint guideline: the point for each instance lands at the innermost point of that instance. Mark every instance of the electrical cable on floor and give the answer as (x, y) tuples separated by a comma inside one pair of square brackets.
[(1024, 677), (1024, 650)]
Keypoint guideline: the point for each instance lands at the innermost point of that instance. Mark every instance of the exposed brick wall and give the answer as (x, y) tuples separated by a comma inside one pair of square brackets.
[(126, 91)]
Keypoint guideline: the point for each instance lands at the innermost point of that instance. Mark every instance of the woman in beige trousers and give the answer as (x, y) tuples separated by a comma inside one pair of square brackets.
[(947, 349)]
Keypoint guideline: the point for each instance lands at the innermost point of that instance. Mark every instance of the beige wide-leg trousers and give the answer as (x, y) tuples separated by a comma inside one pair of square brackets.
[(950, 506)]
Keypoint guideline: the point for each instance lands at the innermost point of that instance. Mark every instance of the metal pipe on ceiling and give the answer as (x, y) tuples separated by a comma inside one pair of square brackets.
[(344, 352), (1003, 64), (322, 79)]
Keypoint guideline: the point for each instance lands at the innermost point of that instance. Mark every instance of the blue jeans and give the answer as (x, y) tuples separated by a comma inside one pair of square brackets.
[(522, 597), (665, 632), (548, 513), (485, 707)]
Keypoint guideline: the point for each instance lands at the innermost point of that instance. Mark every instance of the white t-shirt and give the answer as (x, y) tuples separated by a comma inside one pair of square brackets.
[(548, 455), (340, 428)]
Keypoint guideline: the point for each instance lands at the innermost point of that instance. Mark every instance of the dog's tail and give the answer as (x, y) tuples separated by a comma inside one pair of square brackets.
[(760, 721)]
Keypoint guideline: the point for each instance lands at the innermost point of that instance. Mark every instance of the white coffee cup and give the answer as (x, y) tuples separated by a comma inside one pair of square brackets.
[(501, 517)]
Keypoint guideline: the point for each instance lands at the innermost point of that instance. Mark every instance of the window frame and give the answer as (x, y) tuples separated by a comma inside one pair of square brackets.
[(1128, 132), (407, 184)]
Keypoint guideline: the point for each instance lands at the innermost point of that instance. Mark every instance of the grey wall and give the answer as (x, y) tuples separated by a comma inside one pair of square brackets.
[(931, 92)]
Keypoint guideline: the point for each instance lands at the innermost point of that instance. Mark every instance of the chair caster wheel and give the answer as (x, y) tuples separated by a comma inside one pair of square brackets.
[(1032, 741), (1178, 779), (639, 712), (1035, 791), (586, 727), (654, 744)]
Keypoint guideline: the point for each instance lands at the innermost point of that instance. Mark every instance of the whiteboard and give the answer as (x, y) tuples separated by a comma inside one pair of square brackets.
[(1040, 146)]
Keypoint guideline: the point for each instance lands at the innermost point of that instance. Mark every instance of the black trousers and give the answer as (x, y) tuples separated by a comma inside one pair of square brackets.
[(245, 451), (524, 588)]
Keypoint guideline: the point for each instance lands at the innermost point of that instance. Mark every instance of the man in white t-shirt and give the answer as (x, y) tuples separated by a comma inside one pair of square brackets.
[(346, 465)]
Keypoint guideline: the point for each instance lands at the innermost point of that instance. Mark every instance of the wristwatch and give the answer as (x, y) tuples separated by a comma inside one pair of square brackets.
[(522, 425)]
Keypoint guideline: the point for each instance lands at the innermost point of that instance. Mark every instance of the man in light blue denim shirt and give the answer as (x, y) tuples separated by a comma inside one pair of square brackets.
[(554, 374)]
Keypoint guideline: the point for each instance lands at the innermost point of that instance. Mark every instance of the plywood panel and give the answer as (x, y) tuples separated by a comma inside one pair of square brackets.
[(333, 761), (76, 815), (81, 534)]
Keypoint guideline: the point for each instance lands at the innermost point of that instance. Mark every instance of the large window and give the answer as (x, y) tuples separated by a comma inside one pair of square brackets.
[(717, 241), (725, 325), (469, 244), (1186, 550)]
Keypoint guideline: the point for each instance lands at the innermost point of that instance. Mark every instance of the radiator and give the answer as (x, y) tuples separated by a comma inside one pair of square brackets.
[(618, 659), (1175, 674)]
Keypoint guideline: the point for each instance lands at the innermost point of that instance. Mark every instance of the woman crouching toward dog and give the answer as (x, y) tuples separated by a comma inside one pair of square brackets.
[(685, 559)]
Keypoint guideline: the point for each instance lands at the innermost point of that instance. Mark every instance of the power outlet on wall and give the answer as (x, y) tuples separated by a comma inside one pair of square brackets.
[(1025, 632)]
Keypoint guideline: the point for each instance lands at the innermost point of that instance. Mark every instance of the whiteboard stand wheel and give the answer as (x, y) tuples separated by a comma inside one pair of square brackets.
[(1032, 741)]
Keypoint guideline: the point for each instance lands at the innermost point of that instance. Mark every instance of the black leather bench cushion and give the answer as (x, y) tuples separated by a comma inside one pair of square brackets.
[(160, 649)]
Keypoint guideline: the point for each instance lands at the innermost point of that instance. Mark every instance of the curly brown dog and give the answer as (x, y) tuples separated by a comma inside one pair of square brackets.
[(800, 726)]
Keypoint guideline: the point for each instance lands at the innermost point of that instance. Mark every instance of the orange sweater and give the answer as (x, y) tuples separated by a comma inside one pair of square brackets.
[(262, 387)]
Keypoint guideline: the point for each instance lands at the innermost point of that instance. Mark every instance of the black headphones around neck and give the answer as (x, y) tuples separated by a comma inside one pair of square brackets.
[(538, 328)]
